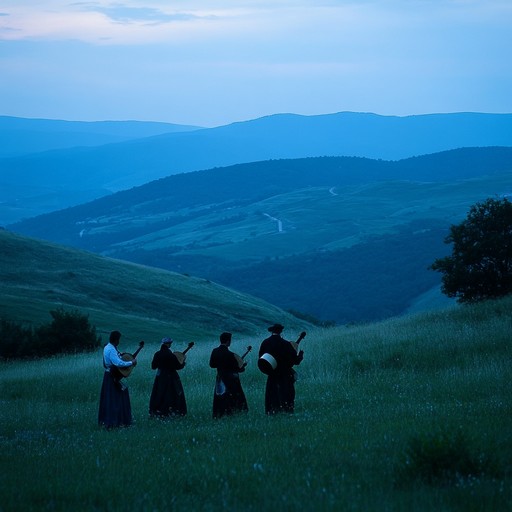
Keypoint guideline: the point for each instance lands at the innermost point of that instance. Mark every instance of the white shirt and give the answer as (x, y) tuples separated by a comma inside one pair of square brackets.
[(111, 357)]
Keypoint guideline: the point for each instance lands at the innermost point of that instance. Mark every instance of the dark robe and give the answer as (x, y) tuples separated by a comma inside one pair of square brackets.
[(228, 396), (280, 387), (115, 408), (167, 396)]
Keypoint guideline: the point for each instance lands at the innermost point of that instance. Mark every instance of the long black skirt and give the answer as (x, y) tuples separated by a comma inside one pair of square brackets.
[(228, 397), (280, 393), (167, 396), (115, 409)]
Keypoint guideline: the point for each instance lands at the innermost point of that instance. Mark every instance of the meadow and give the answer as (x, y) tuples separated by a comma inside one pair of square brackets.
[(413, 413)]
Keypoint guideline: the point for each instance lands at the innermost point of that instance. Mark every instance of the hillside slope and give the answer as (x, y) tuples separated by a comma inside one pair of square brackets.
[(342, 239), (38, 276)]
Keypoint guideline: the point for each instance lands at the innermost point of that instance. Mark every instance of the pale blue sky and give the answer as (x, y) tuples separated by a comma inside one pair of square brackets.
[(212, 63)]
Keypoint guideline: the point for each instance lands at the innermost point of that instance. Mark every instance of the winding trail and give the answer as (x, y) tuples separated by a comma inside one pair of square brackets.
[(279, 222)]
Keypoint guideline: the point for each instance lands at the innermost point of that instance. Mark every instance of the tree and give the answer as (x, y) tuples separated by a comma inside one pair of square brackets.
[(16, 340), (69, 332), (480, 266)]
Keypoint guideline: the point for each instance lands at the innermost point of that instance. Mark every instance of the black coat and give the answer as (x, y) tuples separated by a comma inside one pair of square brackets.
[(167, 396), (280, 387), (228, 396)]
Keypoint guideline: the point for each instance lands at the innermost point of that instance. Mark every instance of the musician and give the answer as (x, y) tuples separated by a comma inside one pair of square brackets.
[(228, 396), (115, 408), (280, 387), (167, 396)]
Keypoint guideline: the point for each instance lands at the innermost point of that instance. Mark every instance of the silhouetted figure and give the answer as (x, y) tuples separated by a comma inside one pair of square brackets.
[(228, 396), (167, 396), (279, 356)]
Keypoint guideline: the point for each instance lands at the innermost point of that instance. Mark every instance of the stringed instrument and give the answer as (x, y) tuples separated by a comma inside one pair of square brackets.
[(125, 356), (181, 355), (295, 344), (240, 359)]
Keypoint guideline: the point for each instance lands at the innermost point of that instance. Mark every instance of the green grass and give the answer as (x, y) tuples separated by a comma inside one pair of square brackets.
[(365, 395), (145, 302), (312, 218)]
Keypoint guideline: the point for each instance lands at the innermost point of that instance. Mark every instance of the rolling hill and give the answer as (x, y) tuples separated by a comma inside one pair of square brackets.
[(339, 239), (144, 302), (41, 182)]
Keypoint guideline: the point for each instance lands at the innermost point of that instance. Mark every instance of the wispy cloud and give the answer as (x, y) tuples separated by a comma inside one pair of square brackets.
[(230, 59), (129, 22), (122, 13)]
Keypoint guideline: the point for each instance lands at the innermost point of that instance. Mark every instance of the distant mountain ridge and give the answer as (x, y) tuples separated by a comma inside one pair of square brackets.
[(21, 136), (70, 176)]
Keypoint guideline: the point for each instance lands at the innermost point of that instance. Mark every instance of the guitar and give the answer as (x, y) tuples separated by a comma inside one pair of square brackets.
[(125, 356), (240, 360), (181, 355)]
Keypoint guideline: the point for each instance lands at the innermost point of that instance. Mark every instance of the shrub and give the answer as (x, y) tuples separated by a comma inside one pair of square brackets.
[(442, 458), (69, 332), (16, 340)]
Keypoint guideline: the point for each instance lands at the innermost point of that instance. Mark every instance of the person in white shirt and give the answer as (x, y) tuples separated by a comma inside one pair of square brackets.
[(115, 408)]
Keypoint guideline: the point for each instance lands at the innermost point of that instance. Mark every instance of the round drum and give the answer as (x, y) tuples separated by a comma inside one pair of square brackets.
[(267, 364)]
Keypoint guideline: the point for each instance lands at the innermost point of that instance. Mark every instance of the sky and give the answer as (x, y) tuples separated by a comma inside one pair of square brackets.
[(206, 63)]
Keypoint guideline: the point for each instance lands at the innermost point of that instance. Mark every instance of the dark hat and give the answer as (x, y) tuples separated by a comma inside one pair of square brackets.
[(277, 328), (225, 337), (166, 341)]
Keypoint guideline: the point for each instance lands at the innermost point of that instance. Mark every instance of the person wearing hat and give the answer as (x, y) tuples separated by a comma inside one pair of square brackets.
[(228, 396), (278, 357), (115, 408), (167, 396)]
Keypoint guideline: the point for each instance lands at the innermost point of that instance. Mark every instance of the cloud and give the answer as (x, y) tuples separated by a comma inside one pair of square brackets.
[(205, 62), (130, 22), (121, 13)]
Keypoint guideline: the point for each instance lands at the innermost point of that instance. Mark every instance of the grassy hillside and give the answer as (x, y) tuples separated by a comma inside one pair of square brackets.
[(142, 302), (335, 238), (407, 414)]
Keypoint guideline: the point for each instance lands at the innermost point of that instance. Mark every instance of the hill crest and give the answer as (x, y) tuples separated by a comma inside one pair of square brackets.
[(71, 176), (38, 276)]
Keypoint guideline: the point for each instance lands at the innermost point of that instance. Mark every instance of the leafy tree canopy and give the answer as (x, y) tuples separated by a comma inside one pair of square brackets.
[(480, 266), (69, 332)]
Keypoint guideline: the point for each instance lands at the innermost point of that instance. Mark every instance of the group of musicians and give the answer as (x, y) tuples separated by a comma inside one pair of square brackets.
[(276, 359)]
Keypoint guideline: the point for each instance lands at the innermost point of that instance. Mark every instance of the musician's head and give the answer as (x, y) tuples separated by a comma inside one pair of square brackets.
[(276, 329), (114, 338), (166, 341), (225, 338)]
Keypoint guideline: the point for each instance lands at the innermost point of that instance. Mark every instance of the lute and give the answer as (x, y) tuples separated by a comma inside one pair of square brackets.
[(240, 359), (181, 355), (125, 356), (295, 344)]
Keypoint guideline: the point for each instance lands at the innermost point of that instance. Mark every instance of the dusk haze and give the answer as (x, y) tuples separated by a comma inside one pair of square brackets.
[(212, 63), (255, 256)]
